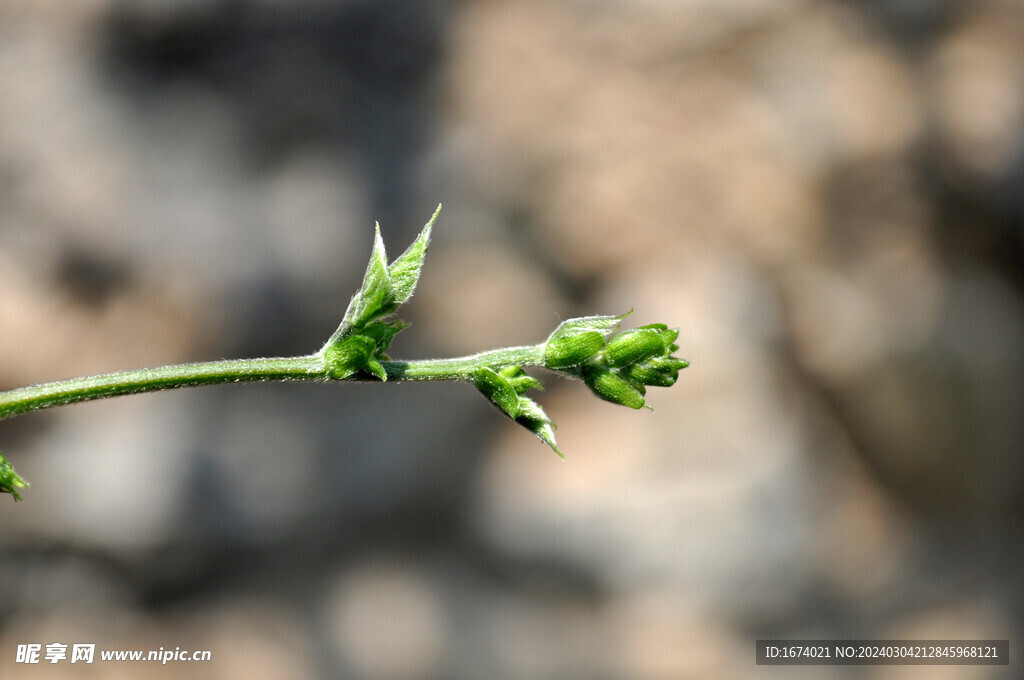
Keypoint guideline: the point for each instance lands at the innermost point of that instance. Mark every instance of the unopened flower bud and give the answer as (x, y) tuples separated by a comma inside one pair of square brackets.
[(562, 351), (666, 363), (611, 387), (382, 333), (668, 335), (633, 346), (641, 373)]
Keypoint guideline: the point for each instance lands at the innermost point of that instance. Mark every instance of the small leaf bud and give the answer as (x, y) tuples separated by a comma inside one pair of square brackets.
[(348, 356), (374, 367)]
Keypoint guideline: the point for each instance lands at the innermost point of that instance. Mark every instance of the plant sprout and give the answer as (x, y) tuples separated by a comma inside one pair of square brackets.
[(617, 367)]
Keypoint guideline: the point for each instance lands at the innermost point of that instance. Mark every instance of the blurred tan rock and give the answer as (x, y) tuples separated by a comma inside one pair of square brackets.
[(864, 541), (978, 88), (48, 335), (843, 93), (484, 296), (387, 621)]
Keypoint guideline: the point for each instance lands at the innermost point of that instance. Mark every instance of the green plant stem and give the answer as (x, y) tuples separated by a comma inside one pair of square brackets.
[(310, 367), (463, 368)]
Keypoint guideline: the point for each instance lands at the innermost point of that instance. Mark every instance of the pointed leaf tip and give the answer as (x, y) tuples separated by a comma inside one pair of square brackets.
[(533, 418), (376, 297), (405, 270)]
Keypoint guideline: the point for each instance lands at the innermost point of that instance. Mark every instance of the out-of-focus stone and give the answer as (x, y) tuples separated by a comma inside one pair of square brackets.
[(251, 639), (844, 95), (47, 335), (484, 296), (863, 540), (387, 621), (659, 635), (978, 85), (620, 176), (941, 421), (107, 477)]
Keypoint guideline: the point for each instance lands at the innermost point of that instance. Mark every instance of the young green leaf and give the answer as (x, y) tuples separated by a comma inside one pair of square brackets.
[(376, 297), (405, 271)]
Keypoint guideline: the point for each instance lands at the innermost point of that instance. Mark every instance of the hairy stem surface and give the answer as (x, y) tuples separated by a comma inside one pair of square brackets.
[(310, 367)]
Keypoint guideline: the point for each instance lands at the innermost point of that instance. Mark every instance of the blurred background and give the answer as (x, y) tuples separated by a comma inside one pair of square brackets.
[(826, 196)]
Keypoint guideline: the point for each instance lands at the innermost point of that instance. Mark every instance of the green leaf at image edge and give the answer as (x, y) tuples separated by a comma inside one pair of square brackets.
[(10, 481)]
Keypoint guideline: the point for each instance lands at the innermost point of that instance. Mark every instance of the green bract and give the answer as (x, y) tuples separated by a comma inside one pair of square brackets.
[(616, 369), (498, 389), (533, 418), (520, 379)]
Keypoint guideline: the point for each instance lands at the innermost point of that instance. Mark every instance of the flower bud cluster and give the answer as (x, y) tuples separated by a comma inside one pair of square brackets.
[(621, 369)]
